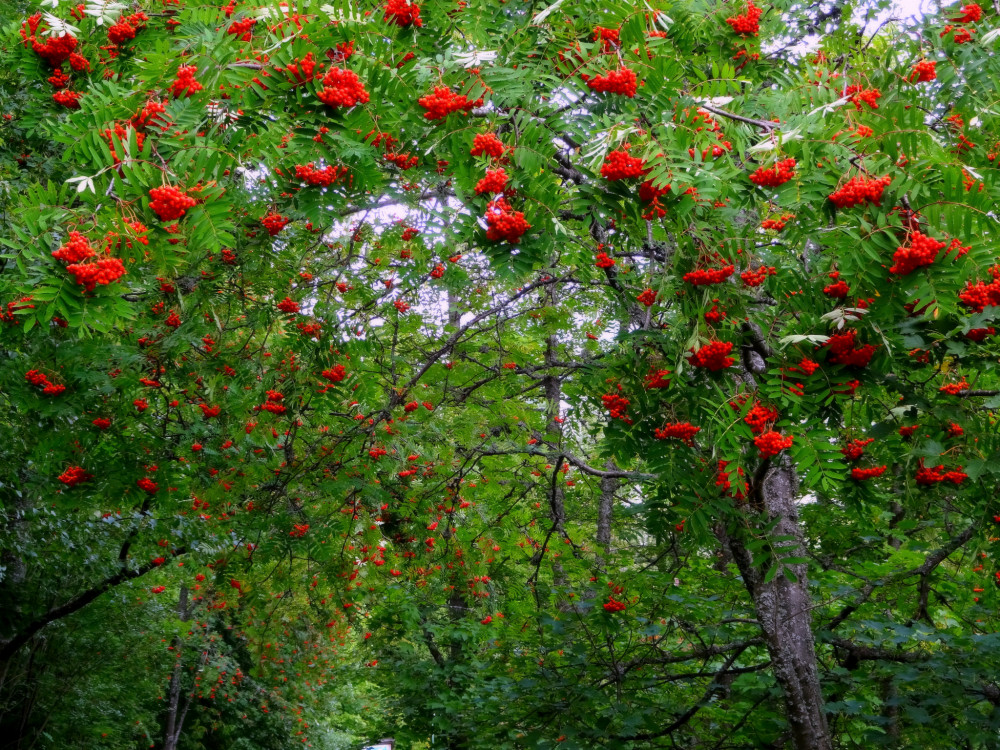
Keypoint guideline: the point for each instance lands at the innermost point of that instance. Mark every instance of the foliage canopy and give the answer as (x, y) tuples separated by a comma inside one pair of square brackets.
[(498, 374)]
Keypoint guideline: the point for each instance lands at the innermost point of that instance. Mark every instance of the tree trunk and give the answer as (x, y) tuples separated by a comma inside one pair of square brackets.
[(605, 510), (175, 720), (554, 435), (783, 610)]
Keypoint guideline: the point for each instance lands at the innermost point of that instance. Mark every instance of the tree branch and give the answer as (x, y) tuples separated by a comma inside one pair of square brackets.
[(764, 124), (75, 604)]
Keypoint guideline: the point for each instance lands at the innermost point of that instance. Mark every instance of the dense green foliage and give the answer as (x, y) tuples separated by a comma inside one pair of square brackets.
[(311, 437)]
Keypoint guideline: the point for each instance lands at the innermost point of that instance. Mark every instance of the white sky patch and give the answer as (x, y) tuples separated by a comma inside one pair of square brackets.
[(911, 8)]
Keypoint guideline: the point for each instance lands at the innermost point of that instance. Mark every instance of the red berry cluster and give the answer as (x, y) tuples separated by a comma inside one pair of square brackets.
[(74, 475), (962, 34), (779, 174), (76, 249), (301, 70), (714, 315), (777, 224), (185, 85), (702, 120), (274, 223), (613, 605), (953, 389), (772, 443), (617, 406), (101, 423), (862, 475), (210, 411), (342, 88), (58, 79), (604, 260), (148, 485), (716, 150), (981, 295), (335, 374), (657, 379), (609, 38), (56, 50), (650, 195), (504, 223), (858, 190), (343, 51), (126, 27), (149, 114), (323, 177), (936, 474), (970, 14), (487, 143), (173, 320), (273, 403), (713, 356), (956, 245), (121, 133), (242, 29), (708, 276), (288, 305), (402, 13), (756, 276), (760, 418), (618, 165), (843, 350), (805, 367), (921, 251), (980, 334), (621, 81), (102, 271), (860, 95), (41, 380), (747, 24), (444, 101), (67, 99), (838, 289), (647, 297), (923, 71), (169, 203), (494, 182), (403, 161), (684, 431), (722, 481), (401, 305), (855, 449), (7, 316)]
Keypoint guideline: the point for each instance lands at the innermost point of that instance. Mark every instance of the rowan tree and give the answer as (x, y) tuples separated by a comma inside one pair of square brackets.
[(518, 374)]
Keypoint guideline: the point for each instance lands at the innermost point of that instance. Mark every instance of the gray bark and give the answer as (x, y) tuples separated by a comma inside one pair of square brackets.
[(605, 510), (175, 718), (783, 610)]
